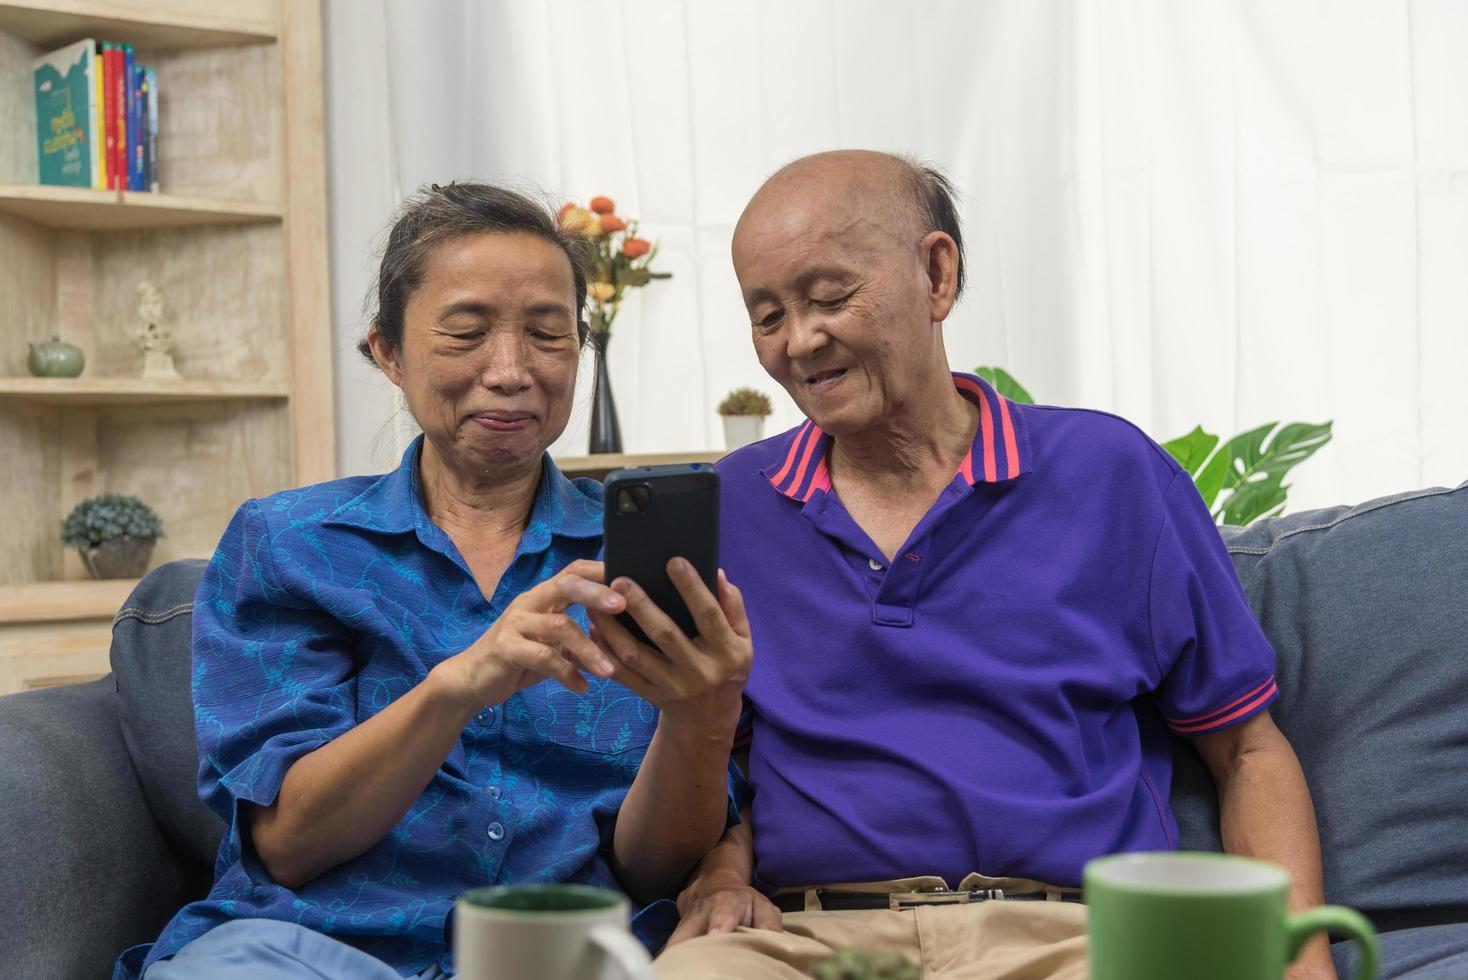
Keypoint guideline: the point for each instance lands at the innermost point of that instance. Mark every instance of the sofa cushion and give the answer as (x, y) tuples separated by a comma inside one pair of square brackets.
[(151, 663), (1367, 608), (1426, 953)]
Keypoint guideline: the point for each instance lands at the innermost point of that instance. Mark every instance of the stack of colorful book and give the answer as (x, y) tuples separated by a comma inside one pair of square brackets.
[(97, 118)]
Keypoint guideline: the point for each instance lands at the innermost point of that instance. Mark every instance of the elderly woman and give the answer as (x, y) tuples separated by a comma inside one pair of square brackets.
[(396, 698)]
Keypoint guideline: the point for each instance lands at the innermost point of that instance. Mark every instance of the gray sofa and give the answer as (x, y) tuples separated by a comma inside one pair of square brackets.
[(103, 837)]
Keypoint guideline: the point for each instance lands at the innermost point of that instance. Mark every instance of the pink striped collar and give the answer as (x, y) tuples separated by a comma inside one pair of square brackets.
[(999, 452)]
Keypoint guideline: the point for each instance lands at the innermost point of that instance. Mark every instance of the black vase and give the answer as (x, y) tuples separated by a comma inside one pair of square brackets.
[(606, 435)]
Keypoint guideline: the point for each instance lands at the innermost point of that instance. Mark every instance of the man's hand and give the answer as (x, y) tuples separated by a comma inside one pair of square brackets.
[(696, 684), (713, 906)]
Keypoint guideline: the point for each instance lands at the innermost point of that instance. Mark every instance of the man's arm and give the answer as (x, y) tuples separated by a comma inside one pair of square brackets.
[(1265, 812)]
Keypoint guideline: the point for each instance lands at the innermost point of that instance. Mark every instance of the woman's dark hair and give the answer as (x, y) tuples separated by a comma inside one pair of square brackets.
[(436, 214)]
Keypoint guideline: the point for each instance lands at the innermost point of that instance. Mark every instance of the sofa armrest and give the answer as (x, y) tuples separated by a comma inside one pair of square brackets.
[(87, 870)]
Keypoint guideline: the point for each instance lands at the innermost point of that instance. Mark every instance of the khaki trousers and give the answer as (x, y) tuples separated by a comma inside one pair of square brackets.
[(990, 940)]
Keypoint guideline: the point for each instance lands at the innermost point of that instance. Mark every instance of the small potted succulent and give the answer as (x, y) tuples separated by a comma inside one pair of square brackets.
[(851, 963), (744, 412), (114, 533)]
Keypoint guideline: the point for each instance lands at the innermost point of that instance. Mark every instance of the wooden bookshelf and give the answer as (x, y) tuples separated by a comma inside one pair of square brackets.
[(237, 242), (50, 602), (92, 210), (134, 391)]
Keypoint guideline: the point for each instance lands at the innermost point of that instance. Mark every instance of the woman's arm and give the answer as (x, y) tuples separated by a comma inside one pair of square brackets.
[(677, 807), (340, 800)]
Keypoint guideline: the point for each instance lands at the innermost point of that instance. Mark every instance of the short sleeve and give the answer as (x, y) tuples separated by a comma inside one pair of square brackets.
[(273, 674), (1217, 667)]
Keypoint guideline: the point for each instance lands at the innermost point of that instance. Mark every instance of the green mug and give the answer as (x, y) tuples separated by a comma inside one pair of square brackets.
[(1205, 917)]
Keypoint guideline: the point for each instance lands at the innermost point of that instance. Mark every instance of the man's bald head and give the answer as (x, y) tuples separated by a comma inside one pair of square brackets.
[(910, 197)]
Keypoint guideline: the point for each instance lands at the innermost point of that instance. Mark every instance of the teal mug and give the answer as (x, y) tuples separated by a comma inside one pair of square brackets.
[(1205, 917)]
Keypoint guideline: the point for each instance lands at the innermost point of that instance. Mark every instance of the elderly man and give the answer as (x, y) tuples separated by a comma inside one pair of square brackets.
[(977, 626)]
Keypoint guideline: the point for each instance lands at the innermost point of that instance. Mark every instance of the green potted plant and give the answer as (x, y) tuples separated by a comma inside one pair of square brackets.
[(853, 963), (114, 533), (744, 411)]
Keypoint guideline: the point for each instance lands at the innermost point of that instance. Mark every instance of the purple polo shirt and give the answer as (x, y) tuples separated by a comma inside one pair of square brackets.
[(999, 699)]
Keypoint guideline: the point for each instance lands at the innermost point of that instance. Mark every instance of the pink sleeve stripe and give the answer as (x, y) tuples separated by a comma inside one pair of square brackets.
[(1226, 708), (790, 459), (1011, 445), (1264, 697)]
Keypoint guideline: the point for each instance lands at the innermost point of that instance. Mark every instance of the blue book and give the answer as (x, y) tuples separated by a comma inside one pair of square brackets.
[(138, 172), (134, 124)]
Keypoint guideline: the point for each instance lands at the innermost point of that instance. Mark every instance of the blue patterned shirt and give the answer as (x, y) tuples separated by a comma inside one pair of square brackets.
[(323, 605)]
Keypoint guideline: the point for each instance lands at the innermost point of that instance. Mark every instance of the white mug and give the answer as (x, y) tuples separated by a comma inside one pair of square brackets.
[(548, 932)]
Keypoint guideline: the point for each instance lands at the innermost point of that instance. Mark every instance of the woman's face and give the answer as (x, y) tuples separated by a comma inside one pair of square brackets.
[(490, 349)]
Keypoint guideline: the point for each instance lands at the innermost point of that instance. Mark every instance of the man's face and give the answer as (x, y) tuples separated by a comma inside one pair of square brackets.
[(837, 298)]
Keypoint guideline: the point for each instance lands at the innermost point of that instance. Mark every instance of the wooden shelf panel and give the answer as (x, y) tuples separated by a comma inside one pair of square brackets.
[(134, 391), (50, 602), (53, 23), (80, 208), (598, 466)]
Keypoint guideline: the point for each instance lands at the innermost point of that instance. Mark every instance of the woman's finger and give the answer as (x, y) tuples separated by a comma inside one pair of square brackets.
[(567, 588), (560, 630), (706, 610), (628, 653), (547, 661), (732, 602), (661, 631)]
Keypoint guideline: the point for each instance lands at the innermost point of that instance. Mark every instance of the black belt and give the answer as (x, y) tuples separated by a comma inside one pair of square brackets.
[(844, 901)]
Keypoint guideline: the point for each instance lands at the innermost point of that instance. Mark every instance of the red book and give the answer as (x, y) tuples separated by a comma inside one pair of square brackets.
[(119, 99), (109, 117)]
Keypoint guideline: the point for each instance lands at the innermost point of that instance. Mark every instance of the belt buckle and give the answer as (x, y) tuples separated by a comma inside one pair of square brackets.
[(898, 901)]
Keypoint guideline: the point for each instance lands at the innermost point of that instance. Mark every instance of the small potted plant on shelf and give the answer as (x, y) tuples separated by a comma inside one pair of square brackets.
[(114, 533), (851, 963), (744, 412)]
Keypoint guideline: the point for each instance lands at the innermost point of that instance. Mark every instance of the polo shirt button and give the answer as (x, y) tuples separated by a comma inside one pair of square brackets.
[(875, 565), (495, 830), (493, 791)]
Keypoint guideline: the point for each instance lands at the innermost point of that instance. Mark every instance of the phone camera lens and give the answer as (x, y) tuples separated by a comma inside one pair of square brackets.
[(634, 500)]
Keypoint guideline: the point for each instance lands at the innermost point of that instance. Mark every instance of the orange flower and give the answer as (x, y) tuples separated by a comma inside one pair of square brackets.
[(602, 205), (636, 247), (561, 214), (601, 291), (611, 223)]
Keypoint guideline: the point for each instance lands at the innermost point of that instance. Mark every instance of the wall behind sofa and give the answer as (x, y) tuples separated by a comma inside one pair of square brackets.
[(1219, 212)]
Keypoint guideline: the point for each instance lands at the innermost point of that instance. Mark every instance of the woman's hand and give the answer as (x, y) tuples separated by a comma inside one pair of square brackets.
[(534, 639), (697, 684)]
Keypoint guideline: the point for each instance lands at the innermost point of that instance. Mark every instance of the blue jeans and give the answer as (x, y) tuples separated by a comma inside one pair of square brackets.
[(266, 949)]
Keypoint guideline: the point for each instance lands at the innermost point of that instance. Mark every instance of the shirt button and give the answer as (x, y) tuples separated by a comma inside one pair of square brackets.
[(493, 791), (874, 565), (486, 714), (495, 830)]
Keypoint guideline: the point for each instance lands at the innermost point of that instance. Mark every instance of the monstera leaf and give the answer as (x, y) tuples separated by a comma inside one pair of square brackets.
[(1003, 382), (1251, 467)]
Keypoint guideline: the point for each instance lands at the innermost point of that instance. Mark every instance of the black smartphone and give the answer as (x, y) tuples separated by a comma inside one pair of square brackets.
[(652, 514)]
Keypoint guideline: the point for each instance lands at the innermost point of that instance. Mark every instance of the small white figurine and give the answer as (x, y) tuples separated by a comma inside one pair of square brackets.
[(154, 334)]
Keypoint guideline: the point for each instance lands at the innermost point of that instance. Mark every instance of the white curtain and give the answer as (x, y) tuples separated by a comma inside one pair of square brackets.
[(1224, 212)]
